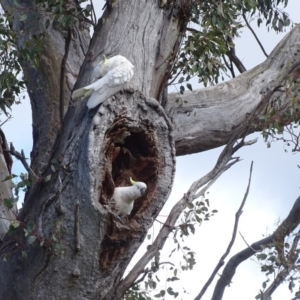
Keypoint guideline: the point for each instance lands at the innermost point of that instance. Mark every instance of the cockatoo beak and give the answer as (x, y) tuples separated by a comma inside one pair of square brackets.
[(132, 181), (143, 191)]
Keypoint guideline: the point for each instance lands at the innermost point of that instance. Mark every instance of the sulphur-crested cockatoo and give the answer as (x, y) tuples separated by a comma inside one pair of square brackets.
[(125, 196), (115, 73)]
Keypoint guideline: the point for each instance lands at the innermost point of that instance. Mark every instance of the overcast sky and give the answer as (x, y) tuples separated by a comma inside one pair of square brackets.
[(275, 186)]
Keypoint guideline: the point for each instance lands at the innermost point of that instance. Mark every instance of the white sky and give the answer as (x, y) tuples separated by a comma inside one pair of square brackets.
[(274, 188)]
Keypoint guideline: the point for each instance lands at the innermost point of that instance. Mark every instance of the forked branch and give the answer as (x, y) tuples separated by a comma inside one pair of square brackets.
[(254, 34), (23, 159), (225, 161), (282, 275), (286, 227), (222, 259)]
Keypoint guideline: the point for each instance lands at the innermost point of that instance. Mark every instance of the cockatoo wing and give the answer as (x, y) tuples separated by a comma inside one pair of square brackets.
[(82, 92), (114, 81), (105, 65)]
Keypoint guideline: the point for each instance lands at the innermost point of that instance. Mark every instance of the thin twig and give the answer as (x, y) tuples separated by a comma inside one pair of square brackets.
[(94, 18), (192, 30), (146, 271), (5, 121), (22, 158), (173, 227), (62, 75), (222, 259), (246, 241), (229, 67), (223, 163), (233, 57), (284, 229), (174, 78), (253, 32)]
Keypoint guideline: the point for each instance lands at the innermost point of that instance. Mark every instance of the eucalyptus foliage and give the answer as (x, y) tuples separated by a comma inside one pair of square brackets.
[(213, 27)]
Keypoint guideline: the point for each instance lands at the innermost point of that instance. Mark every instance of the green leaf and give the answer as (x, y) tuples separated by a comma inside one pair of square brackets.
[(261, 256), (23, 18), (9, 177), (24, 255), (17, 4), (173, 278), (160, 294), (192, 228), (88, 8), (9, 203), (48, 178), (31, 239), (192, 46), (30, 226), (189, 86), (15, 223), (190, 205), (220, 9), (182, 89)]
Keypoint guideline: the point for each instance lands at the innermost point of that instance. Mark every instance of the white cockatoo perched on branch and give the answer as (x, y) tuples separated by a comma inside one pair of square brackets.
[(125, 196), (114, 74)]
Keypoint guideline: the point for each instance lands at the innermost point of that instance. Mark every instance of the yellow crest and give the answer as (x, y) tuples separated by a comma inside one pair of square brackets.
[(104, 60), (132, 181)]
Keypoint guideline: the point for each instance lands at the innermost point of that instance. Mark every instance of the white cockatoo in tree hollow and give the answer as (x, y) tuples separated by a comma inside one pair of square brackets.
[(112, 75), (124, 196)]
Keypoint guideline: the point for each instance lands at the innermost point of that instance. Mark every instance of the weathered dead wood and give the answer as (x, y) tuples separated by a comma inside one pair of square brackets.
[(6, 215), (206, 118), (285, 228)]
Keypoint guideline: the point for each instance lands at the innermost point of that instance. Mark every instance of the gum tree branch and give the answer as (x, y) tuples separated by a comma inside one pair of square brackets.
[(233, 57), (257, 39), (224, 162), (23, 159), (282, 275), (206, 118), (229, 67), (222, 259), (285, 228)]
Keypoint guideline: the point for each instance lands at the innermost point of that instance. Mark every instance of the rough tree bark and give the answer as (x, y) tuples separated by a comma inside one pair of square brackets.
[(6, 215), (81, 250)]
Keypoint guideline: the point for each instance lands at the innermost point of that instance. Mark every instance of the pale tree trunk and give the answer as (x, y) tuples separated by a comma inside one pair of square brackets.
[(7, 213), (81, 250)]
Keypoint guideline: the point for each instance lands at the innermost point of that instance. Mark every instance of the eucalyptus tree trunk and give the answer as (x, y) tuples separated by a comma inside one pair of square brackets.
[(68, 236), (73, 247)]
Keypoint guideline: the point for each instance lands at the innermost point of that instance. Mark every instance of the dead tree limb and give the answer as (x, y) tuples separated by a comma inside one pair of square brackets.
[(222, 259), (285, 228)]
